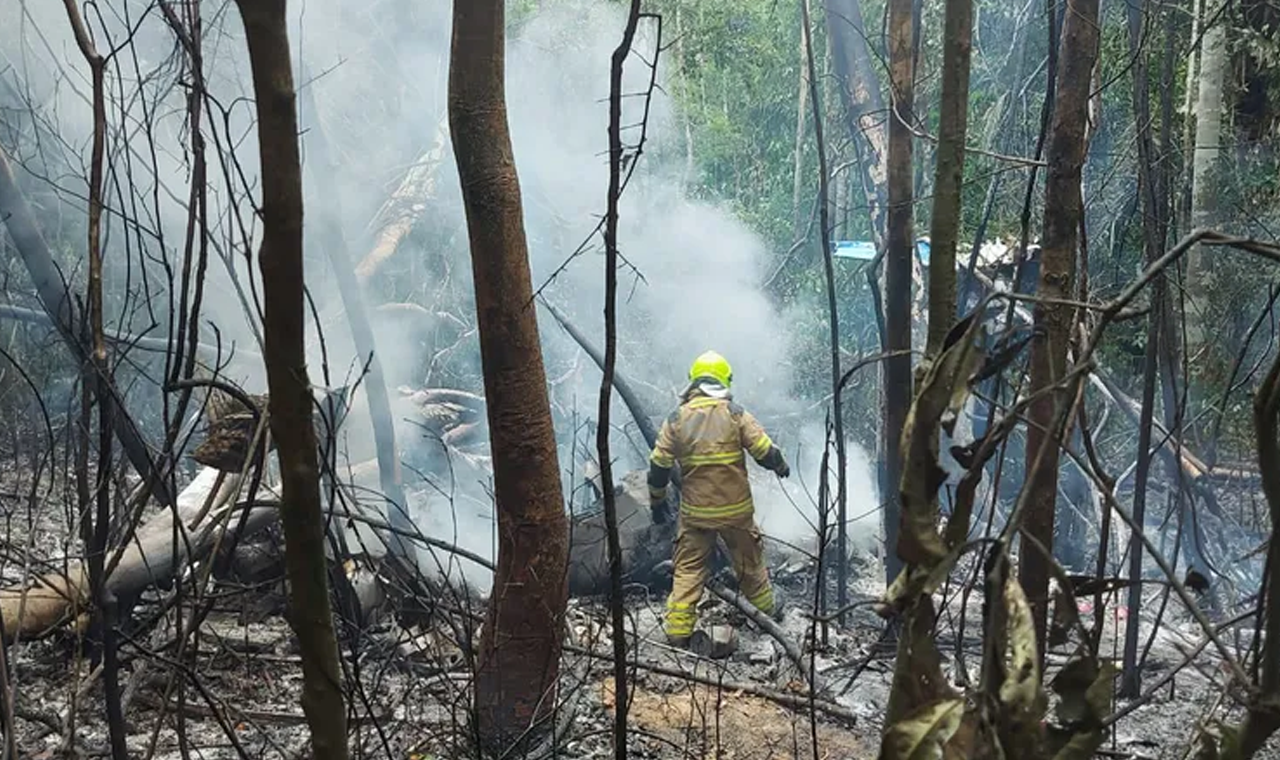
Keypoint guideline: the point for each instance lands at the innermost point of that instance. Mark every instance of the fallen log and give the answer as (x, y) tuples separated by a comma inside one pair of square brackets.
[(209, 512), (151, 558), (766, 624)]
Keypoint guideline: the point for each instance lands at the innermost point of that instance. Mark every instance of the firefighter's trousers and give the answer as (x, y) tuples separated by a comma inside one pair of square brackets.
[(694, 546)]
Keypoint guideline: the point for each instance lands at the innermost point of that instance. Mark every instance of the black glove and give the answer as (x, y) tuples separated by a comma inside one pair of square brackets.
[(783, 470), (661, 511)]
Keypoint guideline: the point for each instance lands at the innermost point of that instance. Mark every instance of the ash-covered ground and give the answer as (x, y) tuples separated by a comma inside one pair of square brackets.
[(232, 690)]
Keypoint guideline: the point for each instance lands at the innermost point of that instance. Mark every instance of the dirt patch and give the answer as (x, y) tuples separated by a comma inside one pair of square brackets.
[(702, 721)]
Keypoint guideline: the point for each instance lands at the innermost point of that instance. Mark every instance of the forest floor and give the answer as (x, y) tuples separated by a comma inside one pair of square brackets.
[(242, 689), (234, 690)]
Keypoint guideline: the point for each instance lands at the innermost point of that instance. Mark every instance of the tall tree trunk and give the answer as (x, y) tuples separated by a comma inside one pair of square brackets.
[(1148, 189), (603, 428), (375, 384), (797, 180), (863, 105), (949, 174), (1063, 210), (290, 401), (1204, 180), (1171, 345), (1189, 94), (519, 656), (95, 505), (833, 313), (900, 253)]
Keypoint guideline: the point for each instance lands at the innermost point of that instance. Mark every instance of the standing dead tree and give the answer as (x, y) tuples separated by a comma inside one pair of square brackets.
[(95, 502), (828, 267), (899, 252), (1063, 208), (1153, 243), (290, 400), (617, 159), (519, 659)]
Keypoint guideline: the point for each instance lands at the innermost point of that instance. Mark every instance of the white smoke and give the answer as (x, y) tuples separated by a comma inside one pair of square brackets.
[(379, 81)]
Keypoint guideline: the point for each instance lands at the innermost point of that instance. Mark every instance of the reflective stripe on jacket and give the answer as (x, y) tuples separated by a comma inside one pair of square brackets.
[(707, 437)]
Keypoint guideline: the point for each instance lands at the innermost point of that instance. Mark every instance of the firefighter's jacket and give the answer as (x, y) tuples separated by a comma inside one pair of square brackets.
[(709, 436)]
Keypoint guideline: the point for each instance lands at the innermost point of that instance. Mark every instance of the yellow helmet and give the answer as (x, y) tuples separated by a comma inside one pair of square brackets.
[(712, 365)]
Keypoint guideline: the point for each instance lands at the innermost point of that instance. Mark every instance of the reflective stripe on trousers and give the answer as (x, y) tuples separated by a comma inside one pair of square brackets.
[(695, 542)]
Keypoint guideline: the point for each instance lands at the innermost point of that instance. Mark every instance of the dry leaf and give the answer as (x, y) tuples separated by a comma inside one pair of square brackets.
[(922, 734), (1021, 688), (941, 393)]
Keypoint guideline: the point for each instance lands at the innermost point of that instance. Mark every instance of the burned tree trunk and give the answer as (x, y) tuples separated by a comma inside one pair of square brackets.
[(519, 657), (1063, 210), (897, 283), (290, 401), (1153, 247), (837, 408), (618, 612)]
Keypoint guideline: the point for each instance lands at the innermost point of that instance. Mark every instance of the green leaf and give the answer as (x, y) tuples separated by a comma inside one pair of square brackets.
[(922, 734)]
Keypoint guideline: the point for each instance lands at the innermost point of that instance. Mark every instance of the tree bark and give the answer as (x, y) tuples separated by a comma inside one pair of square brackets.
[(948, 181), (1153, 244), (290, 400), (1205, 154), (519, 657), (833, 314), (1063, 210), (863, 105), (900, 252), (603, 428), (797, 178)]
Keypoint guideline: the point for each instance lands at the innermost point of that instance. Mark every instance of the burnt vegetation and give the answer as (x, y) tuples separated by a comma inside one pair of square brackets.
[(334, 341)]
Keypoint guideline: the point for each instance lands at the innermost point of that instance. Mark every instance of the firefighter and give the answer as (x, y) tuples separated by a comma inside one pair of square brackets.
[(707, 435)]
